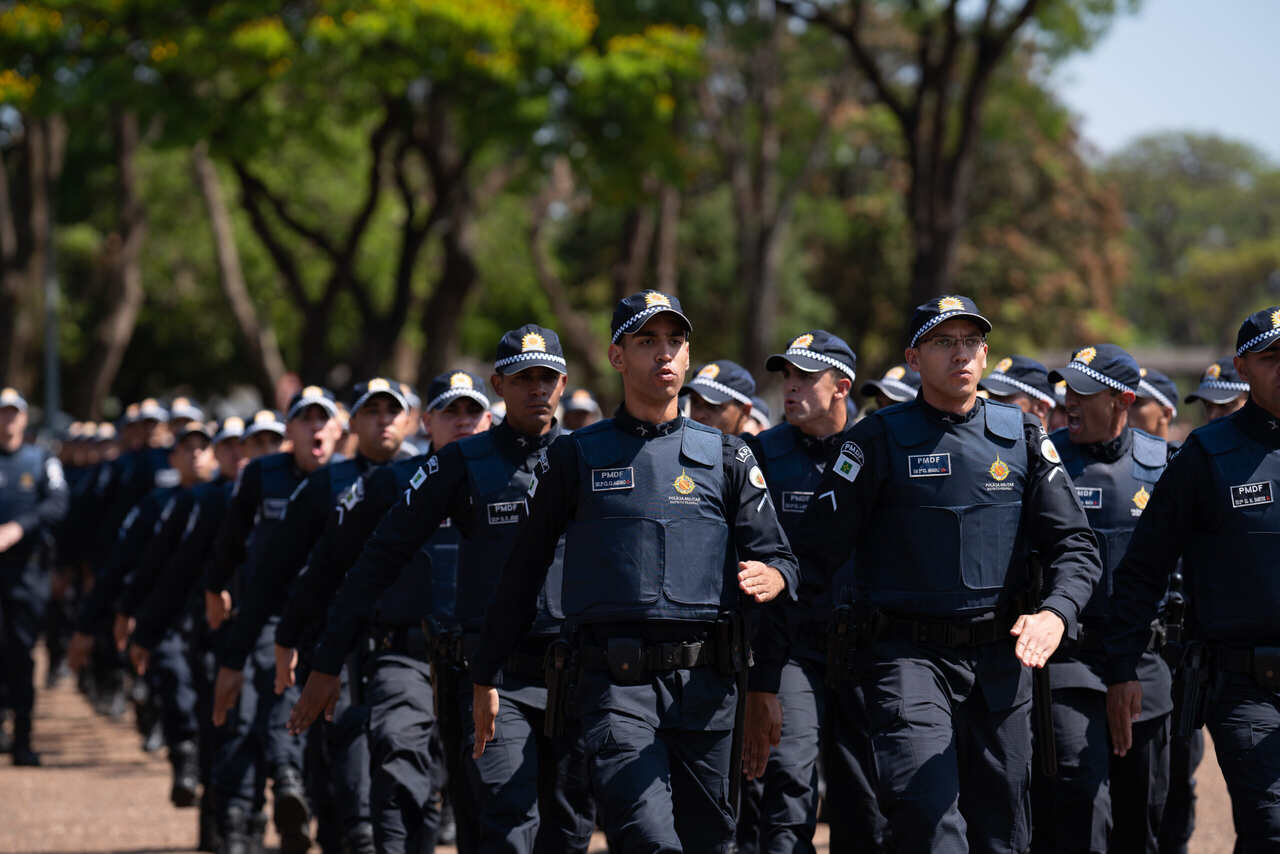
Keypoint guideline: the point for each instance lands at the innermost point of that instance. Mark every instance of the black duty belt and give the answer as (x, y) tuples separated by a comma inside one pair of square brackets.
[(657, 657), (943, 632), (402, 640)]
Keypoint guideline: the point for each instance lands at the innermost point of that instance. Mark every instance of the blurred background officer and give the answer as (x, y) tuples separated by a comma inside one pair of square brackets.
[(943, 499), (1058, 415), (1024, 383), (665, 522), (1216, 508), (33, 499), (761, 417), (580, 409), (1222, 390), (720, 396), (898, 385), (1099, 801), (1156, 404)]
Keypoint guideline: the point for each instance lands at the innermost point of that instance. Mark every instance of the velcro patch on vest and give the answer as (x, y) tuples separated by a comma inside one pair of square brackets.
[(610, 480), (505, 512), (274, 508), (1251, 494), (795, 502), (850, 461), (1090, 497), (929, 465)]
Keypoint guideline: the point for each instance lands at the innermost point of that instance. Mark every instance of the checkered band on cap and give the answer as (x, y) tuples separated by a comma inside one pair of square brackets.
[(822, 357), (1000, 376), (1146, 389), (1224, 385), (1100, 377), (932, 322), (898, 386), (532, 355), (1256, 340), (444, 397), (722, 388), (637, 320)]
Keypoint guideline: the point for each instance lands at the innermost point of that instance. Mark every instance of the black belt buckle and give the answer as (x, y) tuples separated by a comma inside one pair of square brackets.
[(626, 660), (1266, 667)]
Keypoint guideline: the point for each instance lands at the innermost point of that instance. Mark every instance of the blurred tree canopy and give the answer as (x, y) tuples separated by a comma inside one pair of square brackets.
[(234, 189)]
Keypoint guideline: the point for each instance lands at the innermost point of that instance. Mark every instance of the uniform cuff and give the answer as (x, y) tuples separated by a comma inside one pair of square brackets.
[(1066, 611), (326, 660), (1122, 668), (232, 659), (765, 676)]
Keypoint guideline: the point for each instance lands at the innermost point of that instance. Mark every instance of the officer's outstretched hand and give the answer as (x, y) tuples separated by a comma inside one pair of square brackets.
[(760, 581), (140, 657), (226, 690), (320, 694), (484, 711), (1124, 705), (1038, 637), (763, 730), (286, 662), (121, 628), (10, 534), (79, 650), (217, 607)]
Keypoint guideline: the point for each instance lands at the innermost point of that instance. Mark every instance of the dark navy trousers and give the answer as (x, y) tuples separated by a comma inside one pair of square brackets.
[(1244, 721), (24, 595), (406, 812)]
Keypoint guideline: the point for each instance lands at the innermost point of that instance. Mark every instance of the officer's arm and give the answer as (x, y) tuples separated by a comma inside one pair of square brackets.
[(229, 548), (183, 573), (53, 502), (400, 533), (1138, 583), (757, 533), (511, 611), (270, 578), (767, 627), (1058, 531), (156, 554)]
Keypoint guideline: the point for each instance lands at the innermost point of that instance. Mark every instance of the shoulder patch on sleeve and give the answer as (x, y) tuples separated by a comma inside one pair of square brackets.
[(433, 465), (1049, 451), (757, 477), (533, 484), (352, 494), (744, 453), (850, 461), (419, 476)]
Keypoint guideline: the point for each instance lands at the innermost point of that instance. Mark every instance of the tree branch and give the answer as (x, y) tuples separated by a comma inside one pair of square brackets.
[(285, 263), (316, 238), (377, 141)]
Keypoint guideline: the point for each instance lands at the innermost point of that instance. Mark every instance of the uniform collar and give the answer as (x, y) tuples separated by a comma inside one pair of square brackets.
[(1258, 423), (1112, 450), (950, 417), (520, 445), (818, 448), (628, 423)]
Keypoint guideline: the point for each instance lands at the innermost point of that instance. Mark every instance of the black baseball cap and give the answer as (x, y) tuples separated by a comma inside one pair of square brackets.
[(1020, 375), (1095, 369), (721, 381), (760, 412), (151, 410), (530, 346), (362, 393), (581, 400), (231, 427), (1157, 386), (814, 351), (634, 311), (265, 421), (1220, 383), (312, 395), (899, 383), (1259, 331), (196, 426), (941, 309), (185, 407), (451, 385)]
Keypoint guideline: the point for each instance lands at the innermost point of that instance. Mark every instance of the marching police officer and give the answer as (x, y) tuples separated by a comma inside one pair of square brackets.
[(1024, 383), (580, 409), (898, 385), (720, 396), (33, 499), (1156, 405), (666, 523), (1216, 509), (944, 498), (1098, 801), (1222, 390)]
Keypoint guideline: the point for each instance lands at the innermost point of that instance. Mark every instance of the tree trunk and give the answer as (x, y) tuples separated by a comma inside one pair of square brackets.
[(259, 337), (12, 283), (668, 239), (124, 249), (637, 238), (443, 311)]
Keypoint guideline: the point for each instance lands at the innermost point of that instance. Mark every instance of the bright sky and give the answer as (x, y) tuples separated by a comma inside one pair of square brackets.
[(1182, 65)]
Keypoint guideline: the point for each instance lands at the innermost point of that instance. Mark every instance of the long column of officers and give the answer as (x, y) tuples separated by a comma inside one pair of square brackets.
[(973, 604)]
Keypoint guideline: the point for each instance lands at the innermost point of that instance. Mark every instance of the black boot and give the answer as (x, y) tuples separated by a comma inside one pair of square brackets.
[(209, 839), (235, 831), (359, 840), (184, 757), (23, 755), (258, 833), (292, 815)]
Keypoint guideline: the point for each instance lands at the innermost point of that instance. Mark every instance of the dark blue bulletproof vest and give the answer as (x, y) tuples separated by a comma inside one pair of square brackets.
[(279, 479), (1232, 563), (650, 537), (1114, 495), (22, 484), (942, 540), (498, 492)]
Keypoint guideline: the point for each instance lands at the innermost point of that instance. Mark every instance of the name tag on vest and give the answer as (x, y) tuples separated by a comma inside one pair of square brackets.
[(505, 512), (608, 480), (273, 508), (1251, 494), (795, 502), (929, 465), (1090, 497)]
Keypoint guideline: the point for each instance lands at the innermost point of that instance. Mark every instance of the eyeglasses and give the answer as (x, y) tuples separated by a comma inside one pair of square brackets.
[(945, 343)]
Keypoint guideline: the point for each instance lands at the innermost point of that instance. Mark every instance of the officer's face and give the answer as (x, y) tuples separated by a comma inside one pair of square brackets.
[(378, 427), (1214, 411), (193, 458), (260, 444), (653, 361), (1262, 372), (1151, 416), (313, 434), (231, 457), (531, 396), (812, 396), (727, 417), (155, 434), (463, 417), (950, 373), (1096, 417), (13, 425)]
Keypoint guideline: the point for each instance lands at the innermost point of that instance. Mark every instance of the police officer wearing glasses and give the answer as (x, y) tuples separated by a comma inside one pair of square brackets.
[(1216, 509), (668, 532), (941, 501)]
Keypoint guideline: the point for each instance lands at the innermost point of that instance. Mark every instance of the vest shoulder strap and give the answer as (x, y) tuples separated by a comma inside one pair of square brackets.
[(1004, 420), (777, 441), (601, 443), (907, 424), (701, 444), (1150, 451), (1219, 437)]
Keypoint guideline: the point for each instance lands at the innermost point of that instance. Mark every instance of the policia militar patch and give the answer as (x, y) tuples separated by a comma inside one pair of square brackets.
[(1251, 494)]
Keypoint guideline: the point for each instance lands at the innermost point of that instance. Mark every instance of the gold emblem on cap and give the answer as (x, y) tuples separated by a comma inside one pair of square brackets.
[(1141, 497), (313, 391), (264, 416), (534, 342), (950, 304), (233, 423), (1142, 372), (652, 298), (460, 380), (802, 342), (709, 372), (9, 394), (683, 484), (581, 394), (1213, 371), (379, 385), (895, 373), (1275, 319), (1003, 365), (1085, 355), (149, 402), (181, 402)]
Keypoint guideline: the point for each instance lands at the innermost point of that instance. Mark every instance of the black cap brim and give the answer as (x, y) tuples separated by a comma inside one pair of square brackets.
[(1214, 395), (442, 400), (533, 360), (805, 363), (1077, 381), (983, 323), (1262, 342), (323, 402), (896, 391), (370, 395), (712, 395)]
